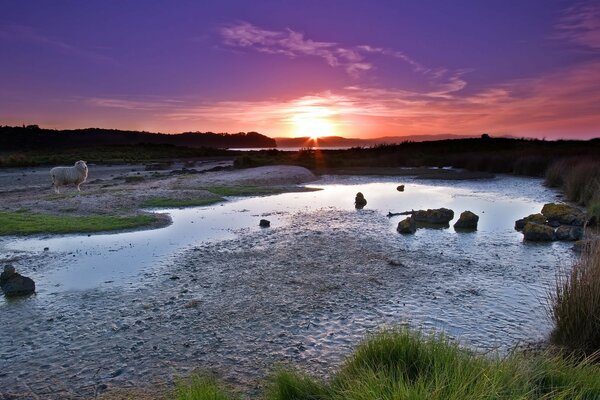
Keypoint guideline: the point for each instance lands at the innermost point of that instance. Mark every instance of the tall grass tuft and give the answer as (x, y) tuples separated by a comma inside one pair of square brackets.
[(554, 176), (582, 182), (575, 305), (201, 388)]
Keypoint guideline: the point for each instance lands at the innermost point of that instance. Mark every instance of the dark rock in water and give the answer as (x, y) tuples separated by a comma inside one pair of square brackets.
[(407, 225), (563, 214), (9, 271), (359, 200), (14, 284), (467, 221), (569, 233), (264, 223), (538, 233), (400, 188), (536, 218), (439, 216)]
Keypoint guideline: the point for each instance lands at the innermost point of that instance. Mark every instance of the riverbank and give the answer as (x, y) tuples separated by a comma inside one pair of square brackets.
[(114, 198)]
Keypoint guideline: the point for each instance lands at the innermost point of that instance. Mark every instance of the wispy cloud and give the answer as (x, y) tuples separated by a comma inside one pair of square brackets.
[(294, 44), (581, 24), (27, 34)]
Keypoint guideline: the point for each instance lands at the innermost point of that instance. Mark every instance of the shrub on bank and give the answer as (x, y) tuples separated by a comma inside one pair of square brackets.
[(575, 305), (580, 180)]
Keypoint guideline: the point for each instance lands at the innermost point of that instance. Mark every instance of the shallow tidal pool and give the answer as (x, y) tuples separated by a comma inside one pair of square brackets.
[(213, 290)]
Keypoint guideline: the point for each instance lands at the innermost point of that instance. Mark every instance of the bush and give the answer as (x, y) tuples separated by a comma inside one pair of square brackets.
[(575, 305), (582, 182)]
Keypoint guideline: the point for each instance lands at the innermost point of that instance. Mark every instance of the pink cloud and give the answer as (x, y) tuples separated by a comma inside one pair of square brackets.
[(581, 24)]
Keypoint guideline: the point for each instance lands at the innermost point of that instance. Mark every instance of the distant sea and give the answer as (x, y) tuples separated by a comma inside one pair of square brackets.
[(291, 148)]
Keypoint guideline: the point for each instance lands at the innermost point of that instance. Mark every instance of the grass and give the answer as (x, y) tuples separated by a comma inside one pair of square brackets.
[(168, 202), (575, 305), (579, 179), (199, 387), (25, 223), (401, 364)]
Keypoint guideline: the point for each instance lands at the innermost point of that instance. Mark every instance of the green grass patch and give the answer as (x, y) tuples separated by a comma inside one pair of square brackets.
[(400, 364), (25, 223), (167, 202), (201, 388)]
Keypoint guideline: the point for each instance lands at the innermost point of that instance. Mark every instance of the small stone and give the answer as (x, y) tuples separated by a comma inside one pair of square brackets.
[(46, 248), (538, 233), (569, 233), (562, 214), (9, 271), (467, 221), (400, 188), (537, 218), (14, 284), (264, 223), (438, 216), (407, 225), (360, 201)]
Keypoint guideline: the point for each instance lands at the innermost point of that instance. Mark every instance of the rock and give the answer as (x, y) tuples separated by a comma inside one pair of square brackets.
[(264, 223), (467, 221), (441, 216), (360, 201), (400, 188), (569, 233), (538, 233), (14, 284), (536, 218), (9, 271), (407, 225), (563, 214)]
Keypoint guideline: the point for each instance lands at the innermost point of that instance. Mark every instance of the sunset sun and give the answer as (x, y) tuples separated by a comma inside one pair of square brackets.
[(313, 127)]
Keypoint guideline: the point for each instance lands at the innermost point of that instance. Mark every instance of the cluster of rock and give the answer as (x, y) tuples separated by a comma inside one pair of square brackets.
[(14, 284), (437, 218), (555, 222)]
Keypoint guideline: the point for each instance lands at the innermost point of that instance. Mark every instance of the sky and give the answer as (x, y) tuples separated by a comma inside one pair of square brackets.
[(304, 68)]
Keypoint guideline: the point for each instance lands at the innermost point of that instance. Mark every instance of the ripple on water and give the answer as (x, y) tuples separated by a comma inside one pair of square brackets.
[(223, 294)]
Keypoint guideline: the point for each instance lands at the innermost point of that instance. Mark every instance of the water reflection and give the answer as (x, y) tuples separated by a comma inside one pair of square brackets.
[(79, 262)]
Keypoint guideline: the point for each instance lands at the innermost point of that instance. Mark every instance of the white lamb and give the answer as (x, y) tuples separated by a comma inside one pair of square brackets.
[(75, 175)]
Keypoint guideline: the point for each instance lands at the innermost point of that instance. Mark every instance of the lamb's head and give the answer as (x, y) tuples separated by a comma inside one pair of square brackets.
[(81, 165)]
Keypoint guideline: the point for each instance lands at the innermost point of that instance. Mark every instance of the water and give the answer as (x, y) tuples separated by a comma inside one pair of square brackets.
[(214, 289), (84, 262)]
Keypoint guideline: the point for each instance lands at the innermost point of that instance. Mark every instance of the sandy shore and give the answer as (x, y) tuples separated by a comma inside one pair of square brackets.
[(122, 190)]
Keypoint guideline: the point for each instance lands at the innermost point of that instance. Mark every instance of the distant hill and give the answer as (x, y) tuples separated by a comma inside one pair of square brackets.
[(33, 137), (339, 141)]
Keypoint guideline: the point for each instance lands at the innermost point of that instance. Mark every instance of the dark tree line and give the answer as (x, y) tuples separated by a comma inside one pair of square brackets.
[(32, 137)]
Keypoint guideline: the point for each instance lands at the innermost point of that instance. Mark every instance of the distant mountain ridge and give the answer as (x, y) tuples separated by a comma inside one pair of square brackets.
[(34, 137), (339, 141)]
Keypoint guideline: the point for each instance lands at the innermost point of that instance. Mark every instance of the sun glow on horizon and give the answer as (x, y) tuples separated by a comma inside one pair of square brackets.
[(313, 127), (312, 120)]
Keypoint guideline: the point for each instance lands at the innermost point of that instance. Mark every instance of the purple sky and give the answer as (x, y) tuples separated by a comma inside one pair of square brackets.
[(283, 68)]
